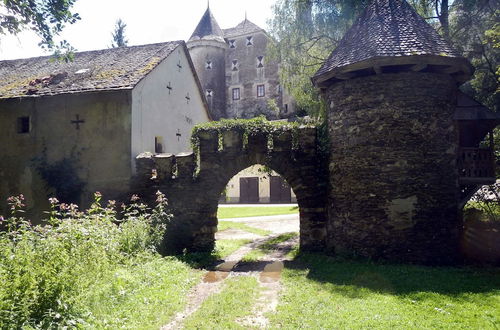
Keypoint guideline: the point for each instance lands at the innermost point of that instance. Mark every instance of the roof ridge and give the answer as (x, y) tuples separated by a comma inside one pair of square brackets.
[(106, 69), (84, 52)]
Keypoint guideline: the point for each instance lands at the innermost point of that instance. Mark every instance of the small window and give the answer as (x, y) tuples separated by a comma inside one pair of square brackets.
[(23, 125), (286, 108), (208, 65), (234, 65), (209, 93), (158, 144), (261, 91), (236, 94), (232, 43), (260, 61), (249, 41)]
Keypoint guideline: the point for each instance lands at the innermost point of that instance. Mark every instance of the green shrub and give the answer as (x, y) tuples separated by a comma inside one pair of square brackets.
[(46, 270)]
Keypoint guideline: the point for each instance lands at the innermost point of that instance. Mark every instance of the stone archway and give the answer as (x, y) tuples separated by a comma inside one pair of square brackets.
[(193, 184)]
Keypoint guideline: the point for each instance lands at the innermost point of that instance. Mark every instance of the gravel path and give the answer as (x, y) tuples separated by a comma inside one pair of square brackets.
[(267, 270)]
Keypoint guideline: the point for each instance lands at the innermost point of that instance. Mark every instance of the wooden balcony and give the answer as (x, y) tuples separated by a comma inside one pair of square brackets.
[(476, 166)]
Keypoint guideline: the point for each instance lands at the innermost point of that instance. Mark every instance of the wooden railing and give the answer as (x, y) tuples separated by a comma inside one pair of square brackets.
[(476, 165)]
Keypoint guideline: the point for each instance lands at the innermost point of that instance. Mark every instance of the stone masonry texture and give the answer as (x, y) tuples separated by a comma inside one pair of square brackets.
[(393, 177), (193, 186)]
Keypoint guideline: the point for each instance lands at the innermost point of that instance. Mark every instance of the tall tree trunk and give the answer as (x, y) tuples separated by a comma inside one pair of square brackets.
[(444, 17)]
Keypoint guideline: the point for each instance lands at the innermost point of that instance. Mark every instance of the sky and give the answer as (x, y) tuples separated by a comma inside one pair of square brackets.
[(148, 21)]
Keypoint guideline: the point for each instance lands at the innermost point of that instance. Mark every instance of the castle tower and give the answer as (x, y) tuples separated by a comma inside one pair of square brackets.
[(207, 49), (391, 88)]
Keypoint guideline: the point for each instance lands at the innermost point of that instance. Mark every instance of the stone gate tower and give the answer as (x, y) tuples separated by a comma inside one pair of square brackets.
[(208, 50), (391, 88)]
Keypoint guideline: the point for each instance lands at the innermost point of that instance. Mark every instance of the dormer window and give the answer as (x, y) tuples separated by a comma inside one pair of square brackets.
[(208, 65), (260, 61), (234, 65), (209, 93), (232, 43), (249, 41)]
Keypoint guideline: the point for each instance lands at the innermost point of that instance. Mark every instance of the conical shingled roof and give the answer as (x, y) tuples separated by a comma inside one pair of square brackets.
[(389, 29), (207, 28)]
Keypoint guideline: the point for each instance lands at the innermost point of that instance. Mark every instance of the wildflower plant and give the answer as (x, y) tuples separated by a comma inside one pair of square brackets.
[(49, 267)]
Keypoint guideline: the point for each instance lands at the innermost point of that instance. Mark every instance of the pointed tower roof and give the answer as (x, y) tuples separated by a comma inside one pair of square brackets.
[(245, 27), (389, 34), (207, 28)]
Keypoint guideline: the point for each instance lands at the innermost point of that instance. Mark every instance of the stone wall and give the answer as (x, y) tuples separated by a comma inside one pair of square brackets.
[(248, 74), (98, 143), (193, 183), (393, 169)]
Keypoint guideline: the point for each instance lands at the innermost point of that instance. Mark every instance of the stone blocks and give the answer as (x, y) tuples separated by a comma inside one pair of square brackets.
[(393, 184)]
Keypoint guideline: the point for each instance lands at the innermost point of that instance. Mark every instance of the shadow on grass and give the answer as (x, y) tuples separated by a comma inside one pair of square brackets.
[(200, 260), (352, 278)]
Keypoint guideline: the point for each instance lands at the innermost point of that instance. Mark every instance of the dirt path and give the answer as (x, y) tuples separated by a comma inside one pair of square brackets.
[(267, 270)]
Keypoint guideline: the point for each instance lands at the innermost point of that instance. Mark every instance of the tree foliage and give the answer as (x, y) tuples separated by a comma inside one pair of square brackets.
[(119, 34), (307, 31), (46, 18)]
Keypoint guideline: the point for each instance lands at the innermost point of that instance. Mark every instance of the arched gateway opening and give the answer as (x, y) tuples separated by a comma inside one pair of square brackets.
[(193, 184), (248, 209)]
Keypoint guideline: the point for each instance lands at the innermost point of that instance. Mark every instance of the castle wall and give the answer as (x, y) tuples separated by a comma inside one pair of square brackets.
[(393, 176), (213, 78), (193, 187), (248, 75), (100, 144)]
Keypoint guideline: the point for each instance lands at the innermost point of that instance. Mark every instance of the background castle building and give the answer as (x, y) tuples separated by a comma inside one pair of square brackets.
[(239, 79)]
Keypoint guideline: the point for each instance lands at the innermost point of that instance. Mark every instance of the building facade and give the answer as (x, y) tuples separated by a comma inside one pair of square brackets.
[(241, 81), (236, 73), (70, 129)]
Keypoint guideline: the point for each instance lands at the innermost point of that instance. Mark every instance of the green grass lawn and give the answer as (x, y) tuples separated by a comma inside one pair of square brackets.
[(325, 293), (222, 310), (144, 294), (254, 211)]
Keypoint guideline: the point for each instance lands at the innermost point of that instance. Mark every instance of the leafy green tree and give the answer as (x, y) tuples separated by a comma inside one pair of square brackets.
[(476, 33), (46, 18), (306, 32), (119, 34)]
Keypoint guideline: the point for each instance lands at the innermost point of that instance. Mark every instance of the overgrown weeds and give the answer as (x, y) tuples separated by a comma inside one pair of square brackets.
[(50, 273)]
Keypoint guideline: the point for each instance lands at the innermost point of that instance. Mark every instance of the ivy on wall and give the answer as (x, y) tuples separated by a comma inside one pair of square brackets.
[(254, 126)]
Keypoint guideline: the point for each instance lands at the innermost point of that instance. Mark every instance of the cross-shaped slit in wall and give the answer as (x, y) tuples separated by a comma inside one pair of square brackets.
[(77, 122), (178, 134), (187, 98), (169, 87), (179, 65)]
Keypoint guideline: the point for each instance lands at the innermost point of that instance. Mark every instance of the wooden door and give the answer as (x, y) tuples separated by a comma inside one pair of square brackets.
[(279, 190), (249, 190)]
